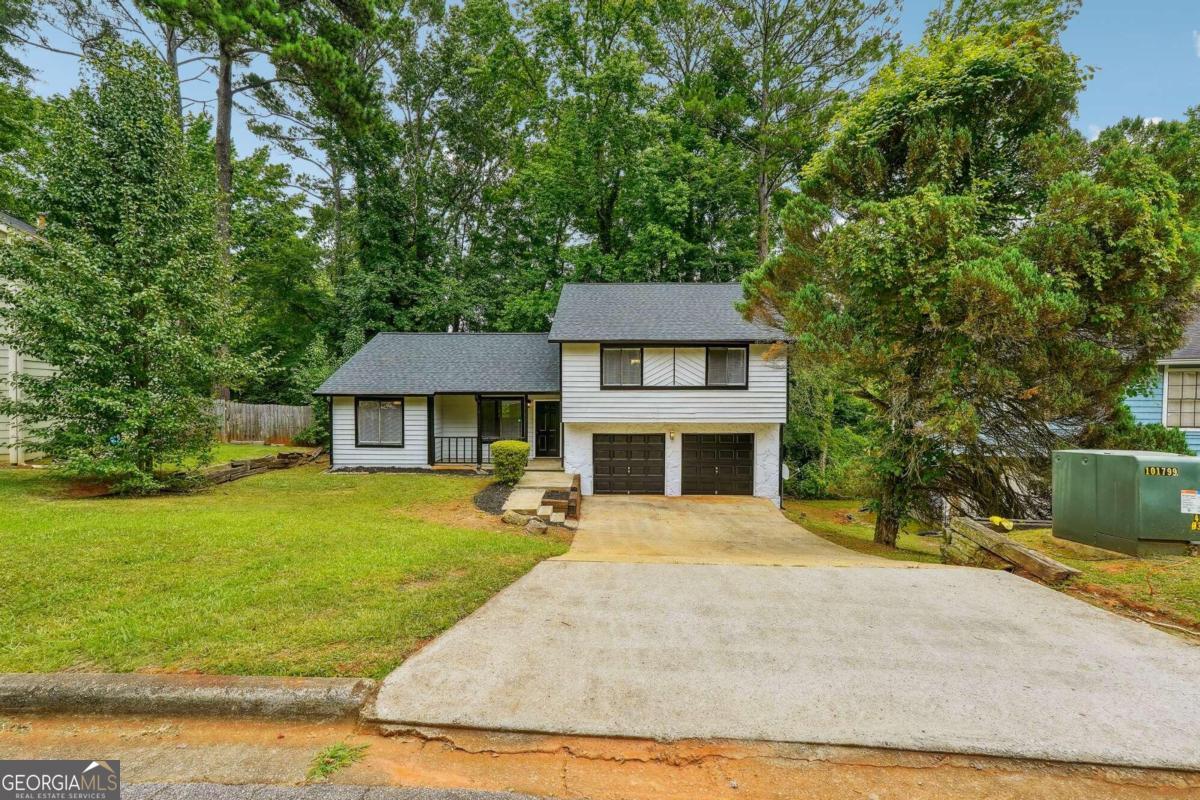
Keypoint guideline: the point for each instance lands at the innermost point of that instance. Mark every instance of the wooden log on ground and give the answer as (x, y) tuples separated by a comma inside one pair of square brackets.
[(972, 543)]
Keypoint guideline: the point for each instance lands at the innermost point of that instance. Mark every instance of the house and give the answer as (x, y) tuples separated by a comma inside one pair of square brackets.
[(637, 388), (13, 363), (1174, 397)]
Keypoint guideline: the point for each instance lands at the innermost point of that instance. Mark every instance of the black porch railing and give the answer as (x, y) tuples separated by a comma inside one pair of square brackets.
[(460, 450)]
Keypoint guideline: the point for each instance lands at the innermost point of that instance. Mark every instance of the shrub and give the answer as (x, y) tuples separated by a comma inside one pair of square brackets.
[(510, 459), (1122, 432)]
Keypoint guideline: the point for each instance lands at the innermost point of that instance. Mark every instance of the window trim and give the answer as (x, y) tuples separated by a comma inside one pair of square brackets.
[(1166, 373), (520, 399), (745, 367), (673, 346), (641, 368), (403, 420)]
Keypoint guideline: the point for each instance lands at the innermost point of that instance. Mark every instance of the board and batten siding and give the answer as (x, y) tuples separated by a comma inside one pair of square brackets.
[(764, 399), (414, 454), (1147, 409)]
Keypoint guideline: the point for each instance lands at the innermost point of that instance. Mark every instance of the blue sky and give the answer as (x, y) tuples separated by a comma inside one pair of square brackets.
[(1146, 52)]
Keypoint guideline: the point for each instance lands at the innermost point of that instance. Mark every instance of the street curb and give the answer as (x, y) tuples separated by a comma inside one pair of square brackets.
[(201, 695)]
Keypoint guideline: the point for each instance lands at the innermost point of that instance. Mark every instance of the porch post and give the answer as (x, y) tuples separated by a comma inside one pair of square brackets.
[(478, 435), (429, 426)]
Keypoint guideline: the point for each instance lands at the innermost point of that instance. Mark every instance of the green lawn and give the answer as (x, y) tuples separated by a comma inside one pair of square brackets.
[(1169, 584), (293, 572), (223, 453), (841, 522)]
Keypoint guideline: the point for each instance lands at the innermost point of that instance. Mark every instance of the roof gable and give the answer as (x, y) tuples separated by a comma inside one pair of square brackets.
[(655, 312)]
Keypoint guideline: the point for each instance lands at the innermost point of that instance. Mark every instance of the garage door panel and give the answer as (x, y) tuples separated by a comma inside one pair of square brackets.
[(628, 463), (718, 463)]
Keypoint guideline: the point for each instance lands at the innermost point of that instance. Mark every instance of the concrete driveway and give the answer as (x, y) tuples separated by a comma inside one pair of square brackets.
[(704, 530), (945, 659)]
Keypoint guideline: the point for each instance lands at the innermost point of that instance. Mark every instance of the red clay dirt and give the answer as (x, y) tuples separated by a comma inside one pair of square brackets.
[(159, 749)]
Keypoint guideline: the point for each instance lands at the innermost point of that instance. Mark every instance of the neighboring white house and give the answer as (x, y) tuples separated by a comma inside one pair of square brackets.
[(13, 363), (638, 388)]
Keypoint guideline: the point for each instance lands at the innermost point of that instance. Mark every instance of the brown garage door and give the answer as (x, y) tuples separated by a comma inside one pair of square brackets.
[(718, 463), (628, 463)]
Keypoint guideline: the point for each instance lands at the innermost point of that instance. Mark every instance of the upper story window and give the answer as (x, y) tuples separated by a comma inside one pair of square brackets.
[(379, 423), (1183, 398), (726, 366), (621, 366)]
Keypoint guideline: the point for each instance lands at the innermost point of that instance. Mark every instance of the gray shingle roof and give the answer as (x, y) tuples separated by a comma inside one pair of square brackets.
[(1190, 349), (429, 363), (655, 312), (17, 224)]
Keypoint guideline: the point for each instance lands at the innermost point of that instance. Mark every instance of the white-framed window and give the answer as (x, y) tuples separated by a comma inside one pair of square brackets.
[(379, 423), (727, 366), (1182, 405), (621, 366)]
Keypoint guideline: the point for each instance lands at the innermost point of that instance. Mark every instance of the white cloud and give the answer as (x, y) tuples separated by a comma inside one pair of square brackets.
[(1093, 133), (1153, 120), (1196, 42)]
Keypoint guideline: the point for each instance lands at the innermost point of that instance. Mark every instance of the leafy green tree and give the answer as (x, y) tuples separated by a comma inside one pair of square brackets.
[(14, 14), (797, 59), (976, 273), (313, 43), (960, 17), (279, 285), (124, 294)]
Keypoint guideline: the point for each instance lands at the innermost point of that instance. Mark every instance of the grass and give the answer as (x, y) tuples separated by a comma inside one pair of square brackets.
[(335, 757), (223, 453), (841, 522), (292, 572), (1165, 584)]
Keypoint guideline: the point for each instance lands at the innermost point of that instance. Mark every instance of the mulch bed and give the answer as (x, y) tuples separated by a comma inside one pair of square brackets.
[(492, 498)]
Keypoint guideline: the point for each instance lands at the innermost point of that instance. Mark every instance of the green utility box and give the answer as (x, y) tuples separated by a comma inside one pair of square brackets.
[(1131, 501)]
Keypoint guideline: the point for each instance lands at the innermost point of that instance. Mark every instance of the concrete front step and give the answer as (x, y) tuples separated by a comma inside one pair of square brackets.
[(524, 501)]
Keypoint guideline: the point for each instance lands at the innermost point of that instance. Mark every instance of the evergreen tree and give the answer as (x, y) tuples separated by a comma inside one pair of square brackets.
[(975, 272)]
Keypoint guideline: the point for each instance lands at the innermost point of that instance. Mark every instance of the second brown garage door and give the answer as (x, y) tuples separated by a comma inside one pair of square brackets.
[(628, 463), (718, 463)]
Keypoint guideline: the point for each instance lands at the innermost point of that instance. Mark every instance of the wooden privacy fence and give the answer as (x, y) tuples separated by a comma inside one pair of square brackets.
[(261, 422)]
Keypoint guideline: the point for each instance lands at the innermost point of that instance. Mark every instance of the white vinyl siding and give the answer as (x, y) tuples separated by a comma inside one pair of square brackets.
[(454, 415), (764, 400), (414, 453)]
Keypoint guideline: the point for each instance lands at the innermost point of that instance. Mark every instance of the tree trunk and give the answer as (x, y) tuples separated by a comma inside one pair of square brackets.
[(171, 40), (764, 215), (339, 210), (887, 519), (223, 148)]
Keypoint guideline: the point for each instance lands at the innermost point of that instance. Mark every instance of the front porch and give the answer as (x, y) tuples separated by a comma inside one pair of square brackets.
[(464, 426)]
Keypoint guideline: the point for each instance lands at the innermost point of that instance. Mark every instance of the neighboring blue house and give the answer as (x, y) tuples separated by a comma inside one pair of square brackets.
[(1179, 384)]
